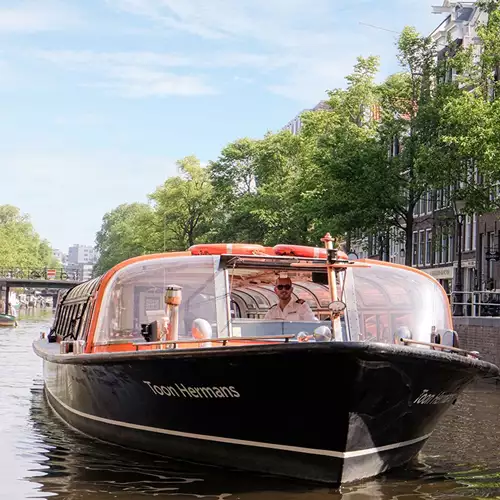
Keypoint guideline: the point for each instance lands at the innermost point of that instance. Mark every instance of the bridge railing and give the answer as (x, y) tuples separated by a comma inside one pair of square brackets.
[(482, 303), (45, 273)]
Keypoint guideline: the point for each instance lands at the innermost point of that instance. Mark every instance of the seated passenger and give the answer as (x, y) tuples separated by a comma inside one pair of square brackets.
[(288, 309)]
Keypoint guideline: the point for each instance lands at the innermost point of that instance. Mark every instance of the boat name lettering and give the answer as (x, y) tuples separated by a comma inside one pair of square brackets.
[(429, 398), (182, 391)]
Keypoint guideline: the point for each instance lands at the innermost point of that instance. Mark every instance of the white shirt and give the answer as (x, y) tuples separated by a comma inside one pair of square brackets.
[(295, 310)]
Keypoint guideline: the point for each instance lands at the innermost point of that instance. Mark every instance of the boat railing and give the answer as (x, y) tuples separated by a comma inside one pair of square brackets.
[(221, 340), (441, 347)]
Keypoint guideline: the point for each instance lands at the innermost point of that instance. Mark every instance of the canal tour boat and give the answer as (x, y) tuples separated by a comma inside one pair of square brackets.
[(172, 354)]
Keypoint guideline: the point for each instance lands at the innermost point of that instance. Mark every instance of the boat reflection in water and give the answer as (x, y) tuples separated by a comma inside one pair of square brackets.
[(155, 356), (67, 464)]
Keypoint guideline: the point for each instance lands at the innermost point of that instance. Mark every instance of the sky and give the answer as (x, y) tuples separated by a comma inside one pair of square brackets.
[(99, 98)]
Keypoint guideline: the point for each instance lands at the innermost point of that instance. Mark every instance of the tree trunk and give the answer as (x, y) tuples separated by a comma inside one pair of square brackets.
[(387, 244), (348, 242)]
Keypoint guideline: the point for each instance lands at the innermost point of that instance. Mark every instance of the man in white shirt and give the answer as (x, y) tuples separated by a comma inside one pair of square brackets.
[(287, 309)]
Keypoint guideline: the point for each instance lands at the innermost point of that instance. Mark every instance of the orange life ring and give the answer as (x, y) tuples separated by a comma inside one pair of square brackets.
[(305, 251), (226, 248)]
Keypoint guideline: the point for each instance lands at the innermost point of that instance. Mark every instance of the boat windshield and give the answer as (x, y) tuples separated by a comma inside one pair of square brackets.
[(385, 300), (134, 297)]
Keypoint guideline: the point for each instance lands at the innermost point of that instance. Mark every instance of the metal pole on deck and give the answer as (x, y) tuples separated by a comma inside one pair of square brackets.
[(332, 285)]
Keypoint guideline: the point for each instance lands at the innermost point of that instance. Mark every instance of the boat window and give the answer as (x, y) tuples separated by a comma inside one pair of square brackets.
[(253, 296), (388, 298), (135, 295), (74, 307), (302, 291)]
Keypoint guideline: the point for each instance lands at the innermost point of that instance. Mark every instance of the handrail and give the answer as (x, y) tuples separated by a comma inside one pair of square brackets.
[(441, 346), (223, 340), (474, 304)]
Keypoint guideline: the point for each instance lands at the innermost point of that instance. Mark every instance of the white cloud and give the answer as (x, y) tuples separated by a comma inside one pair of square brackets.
[(276, 22), (137, 82), (298, 50), (131, 74), (314, 79), (316, 44), (37, 16), (143, 74), (87, 59)]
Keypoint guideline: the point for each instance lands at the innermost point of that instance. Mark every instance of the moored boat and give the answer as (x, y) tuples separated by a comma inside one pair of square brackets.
[(8, 320), (171, 353)]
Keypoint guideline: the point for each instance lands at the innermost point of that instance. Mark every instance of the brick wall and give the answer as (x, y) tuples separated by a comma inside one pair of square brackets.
[(480, 334)]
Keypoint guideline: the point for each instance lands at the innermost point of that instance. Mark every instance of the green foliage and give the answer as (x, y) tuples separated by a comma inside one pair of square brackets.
[(234, 174), (265, 190), (340, 174), (179, 217), (127, 231), (184, 204), (20, 245)]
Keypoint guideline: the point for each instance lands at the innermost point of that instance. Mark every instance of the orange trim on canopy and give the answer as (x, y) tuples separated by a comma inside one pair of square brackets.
[(106, 279)]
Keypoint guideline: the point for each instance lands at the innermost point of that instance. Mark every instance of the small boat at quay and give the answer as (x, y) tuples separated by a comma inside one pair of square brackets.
[(8, 320), (172, 353)]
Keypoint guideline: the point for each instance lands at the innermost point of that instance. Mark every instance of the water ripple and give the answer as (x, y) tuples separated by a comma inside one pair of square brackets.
[(41, 458)]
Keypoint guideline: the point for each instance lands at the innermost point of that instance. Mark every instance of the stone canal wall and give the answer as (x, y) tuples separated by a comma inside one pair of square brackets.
[(480, 334)]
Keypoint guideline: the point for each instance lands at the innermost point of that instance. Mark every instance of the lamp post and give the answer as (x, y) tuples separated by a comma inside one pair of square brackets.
[(458, 209)]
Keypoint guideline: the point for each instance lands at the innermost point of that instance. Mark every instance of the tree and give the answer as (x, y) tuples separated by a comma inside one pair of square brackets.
[(469, 120), (264, 190), (287, 178), (409, 103), (184, 205), (353, 184), (234, 173), (127, 231), (20, 245), (234, 180)]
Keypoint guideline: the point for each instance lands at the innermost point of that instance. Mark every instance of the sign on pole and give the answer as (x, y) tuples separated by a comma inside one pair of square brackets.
[(51, 274)]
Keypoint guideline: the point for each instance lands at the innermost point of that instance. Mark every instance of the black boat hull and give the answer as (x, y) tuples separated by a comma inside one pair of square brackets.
[(328, 412)]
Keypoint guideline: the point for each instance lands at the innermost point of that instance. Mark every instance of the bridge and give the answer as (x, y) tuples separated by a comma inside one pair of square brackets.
[(41, 278)]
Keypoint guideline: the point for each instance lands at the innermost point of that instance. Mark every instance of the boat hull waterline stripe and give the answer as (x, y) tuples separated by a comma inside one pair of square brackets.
[(281, 447)]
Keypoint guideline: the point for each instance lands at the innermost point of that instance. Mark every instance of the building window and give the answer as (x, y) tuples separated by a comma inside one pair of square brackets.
[(446, 197), (468, 233), (428, 246), (421, 248), (444, 248), (451, 241), (491, 246), (482, 253), (415, 249), (437, 247), (429, 202)]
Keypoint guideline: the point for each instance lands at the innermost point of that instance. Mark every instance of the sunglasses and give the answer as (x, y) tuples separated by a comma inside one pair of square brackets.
[(283, 287)]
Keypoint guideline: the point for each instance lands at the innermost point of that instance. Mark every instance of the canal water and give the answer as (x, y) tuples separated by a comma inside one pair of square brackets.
[(41, 458)]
